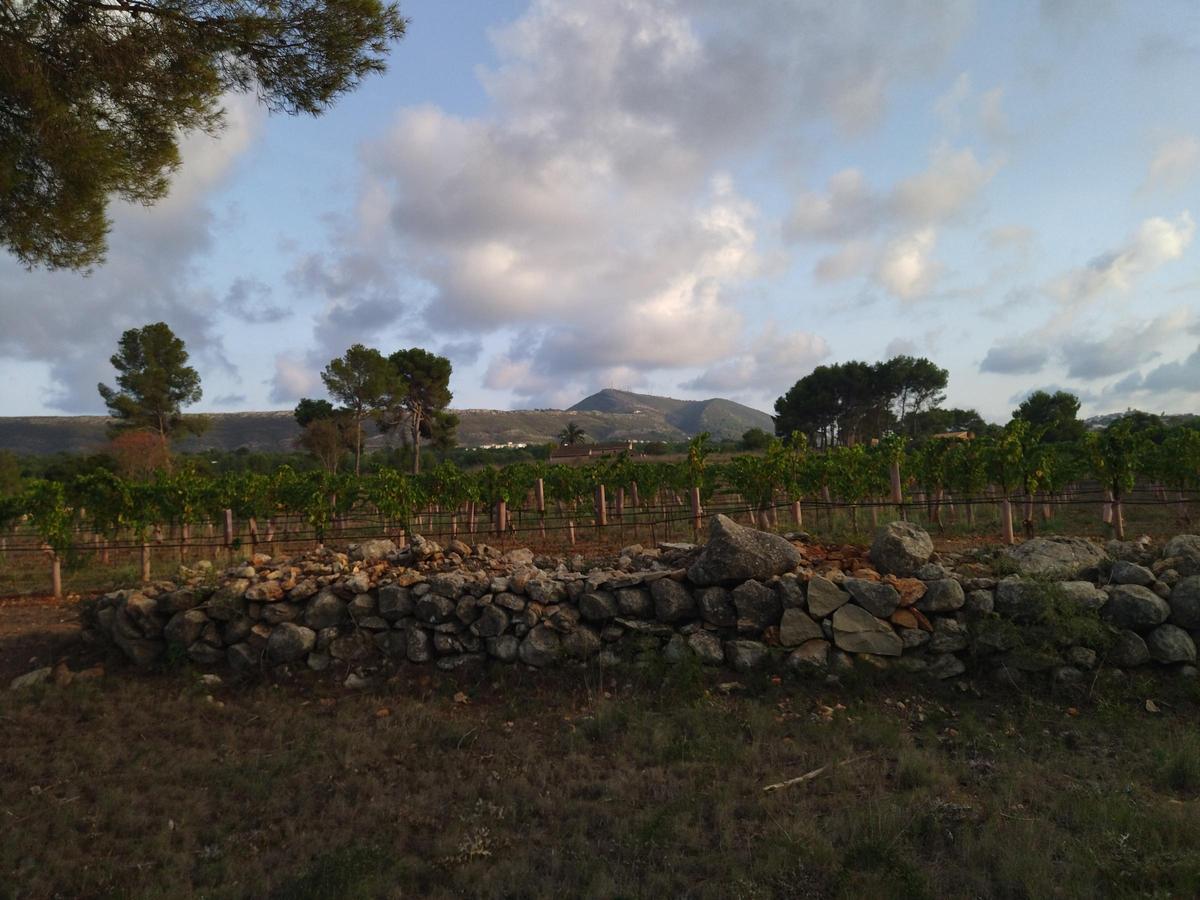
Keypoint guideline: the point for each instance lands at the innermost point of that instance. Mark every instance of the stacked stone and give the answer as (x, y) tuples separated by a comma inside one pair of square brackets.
[(746, 599)]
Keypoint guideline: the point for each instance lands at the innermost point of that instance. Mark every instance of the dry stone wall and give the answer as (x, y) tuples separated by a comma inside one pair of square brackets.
[(745, 600)]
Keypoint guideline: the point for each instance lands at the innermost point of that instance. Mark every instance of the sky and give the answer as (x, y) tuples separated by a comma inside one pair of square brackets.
[(684, 197)]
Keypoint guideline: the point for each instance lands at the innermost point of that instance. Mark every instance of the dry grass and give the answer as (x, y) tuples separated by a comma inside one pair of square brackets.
[(646, 783)]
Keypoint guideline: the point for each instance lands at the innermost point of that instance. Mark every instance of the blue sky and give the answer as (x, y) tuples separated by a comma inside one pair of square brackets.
[(684, 197)]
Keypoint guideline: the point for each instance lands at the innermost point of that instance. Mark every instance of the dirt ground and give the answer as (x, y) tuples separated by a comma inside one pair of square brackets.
[(39, 631)]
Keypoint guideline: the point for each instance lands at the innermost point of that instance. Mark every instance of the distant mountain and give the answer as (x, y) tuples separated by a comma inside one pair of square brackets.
[(723, 419), (609, 415)]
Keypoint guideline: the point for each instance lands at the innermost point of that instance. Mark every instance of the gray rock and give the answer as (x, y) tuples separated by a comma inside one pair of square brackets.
[(1184, 549), (743, 656), (31, 679), (757, 606), (205, 654), (325, 610), (1185, 602), (1128, 650), (912, 638), (492, 622), (277, 613), (1066, 675), (1083, 594), (504, 647), (447, 584), (942, 595), (445, 644), (352, 648), (377, 548), (598, 606), (546, 591), (290, 642), (357, 583), (824, 597), (1055, 557), (797, 628), (931, 572), (463, 662), (583, 643), (677, 649), (1133, 606), (716, 607), (980, 602), (563, 619), (791, 592), (857, 631), (672, 601), (184, 627), (1124, 572), (875, 597), (900, 548), (541, 647), (178, 601), (707, 646), (418, 645), (508, 600), (948, 635), (810, 655), (434, 608), (236, 630), (467, 609), (945, 665), (735, 553), (635, 603), (1171, 644)]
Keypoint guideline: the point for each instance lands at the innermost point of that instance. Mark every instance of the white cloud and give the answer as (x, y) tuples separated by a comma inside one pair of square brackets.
[(1175, 163), (906, 267), (1156, 242), (294, 378), (586, 212), (850, 208)]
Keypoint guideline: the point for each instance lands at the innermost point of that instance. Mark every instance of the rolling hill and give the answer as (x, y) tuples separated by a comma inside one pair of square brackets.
[(609, 415)]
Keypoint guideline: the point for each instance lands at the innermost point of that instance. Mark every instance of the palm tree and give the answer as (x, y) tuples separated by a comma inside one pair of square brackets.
[(571, 435)]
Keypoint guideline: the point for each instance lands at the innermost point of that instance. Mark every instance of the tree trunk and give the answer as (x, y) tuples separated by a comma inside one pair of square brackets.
[(1118, 518)]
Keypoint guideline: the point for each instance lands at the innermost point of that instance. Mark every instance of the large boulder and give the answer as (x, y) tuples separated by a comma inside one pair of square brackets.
[(716, 607), (1128, 650), (857, 631), (1185, 603), (758, 607), (375, 548), (1133, 606), (900, 548), (1184, 550), (796, 628), (736, 553), (743, 656), (942, 595), (541, 647), (875, 597), (1171, 644), (290, 642), (672, 601), (824, 597), (1055, 557)]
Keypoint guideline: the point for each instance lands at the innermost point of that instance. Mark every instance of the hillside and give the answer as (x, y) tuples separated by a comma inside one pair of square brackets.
[(607, 416), (721, 418)]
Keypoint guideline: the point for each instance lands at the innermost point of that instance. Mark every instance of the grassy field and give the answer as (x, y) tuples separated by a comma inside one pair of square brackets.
[(638, 783)]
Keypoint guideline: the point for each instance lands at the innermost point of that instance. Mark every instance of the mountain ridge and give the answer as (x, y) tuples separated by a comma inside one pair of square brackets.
[(646, 417)]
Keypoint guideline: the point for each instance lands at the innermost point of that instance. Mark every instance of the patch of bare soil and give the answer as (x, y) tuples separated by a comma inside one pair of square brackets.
[(40, 631)]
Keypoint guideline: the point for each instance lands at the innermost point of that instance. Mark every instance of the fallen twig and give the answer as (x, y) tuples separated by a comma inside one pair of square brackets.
[(809, 776)]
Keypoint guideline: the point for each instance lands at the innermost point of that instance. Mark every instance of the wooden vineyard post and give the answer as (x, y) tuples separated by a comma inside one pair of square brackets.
[(697, 512), (1006, 520), (1106, 511), (229, 533), (827, 498), (633, 495), (601, 507), (55, 572), (539, 498), (185, 533), (145, 561), (897, 489), (797, 514), (471, 518), (501, 517), (253, 534), (271, 534), (1118, 519)]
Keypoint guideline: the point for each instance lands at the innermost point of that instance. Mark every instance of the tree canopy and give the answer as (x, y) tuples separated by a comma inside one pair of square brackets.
[(154, 382), (850, 402), (95, 94), (416, 397), (360, 379), (571, 435), (1056, 413)]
